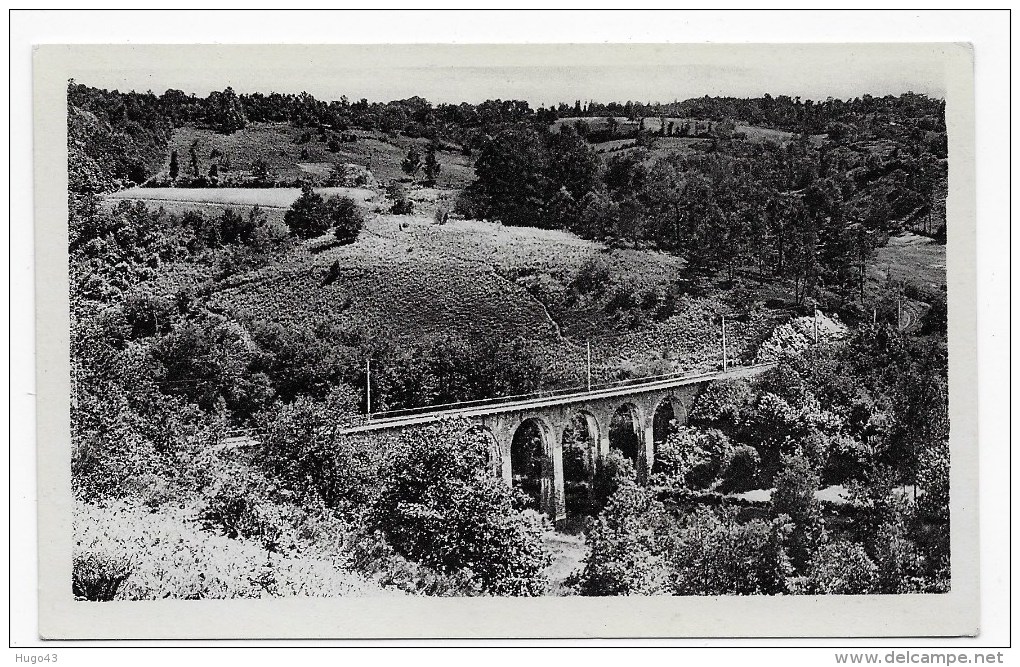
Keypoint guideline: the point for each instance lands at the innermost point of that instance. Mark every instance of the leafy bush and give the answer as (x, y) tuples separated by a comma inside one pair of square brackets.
[(469, 204), (721, 403), (711, 553), (440, 506), (402, 206), (794, 497), (128, 437), (106, 449), (841, 568), (625, 549), (346, 218), (300, 449), (241, 505), (741, 471), (933, 480), (882, 526), (442, 214), (848, 459), (370, 554), (307, 217), (772, 424), (638, 548), (97, 576), (787, 379), (594, 275), (691, 458)]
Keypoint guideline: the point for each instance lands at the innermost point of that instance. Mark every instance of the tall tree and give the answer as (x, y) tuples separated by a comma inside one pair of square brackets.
[(411, 164), (226, 111), (175, 168), (572, 164), (432, 166), (510, 185), (794, 496)]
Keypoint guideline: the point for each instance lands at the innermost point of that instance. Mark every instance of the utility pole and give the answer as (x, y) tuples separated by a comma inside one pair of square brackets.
[(368, 387), (589, 364), (724, 359)]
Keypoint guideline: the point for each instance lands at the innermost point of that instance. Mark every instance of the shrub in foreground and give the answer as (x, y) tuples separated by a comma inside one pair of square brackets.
[(626, 555), (637, 547), (710, 552), (441, 506), (125, 552), (302, 450)]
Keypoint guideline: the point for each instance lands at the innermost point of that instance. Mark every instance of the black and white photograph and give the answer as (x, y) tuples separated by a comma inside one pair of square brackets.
[(583, 322), (541, 346)]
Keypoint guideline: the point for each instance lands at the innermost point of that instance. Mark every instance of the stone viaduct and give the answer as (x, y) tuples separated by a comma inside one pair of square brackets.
[(637, 402)]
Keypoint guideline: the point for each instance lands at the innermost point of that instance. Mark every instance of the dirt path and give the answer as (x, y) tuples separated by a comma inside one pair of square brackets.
[(568, 553)]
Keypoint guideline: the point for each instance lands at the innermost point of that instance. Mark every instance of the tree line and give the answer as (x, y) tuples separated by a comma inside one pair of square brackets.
[(806, 211)]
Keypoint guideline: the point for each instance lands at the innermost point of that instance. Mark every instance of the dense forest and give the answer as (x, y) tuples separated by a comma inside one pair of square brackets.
[(161, 375)]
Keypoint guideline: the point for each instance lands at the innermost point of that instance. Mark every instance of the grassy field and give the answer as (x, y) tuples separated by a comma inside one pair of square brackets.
[(393, 278), (277, 144), (911, 258), (418, 278)]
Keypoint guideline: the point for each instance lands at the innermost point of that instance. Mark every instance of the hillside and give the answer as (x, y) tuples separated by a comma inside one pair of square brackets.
[(290, 158), (418, 281)]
